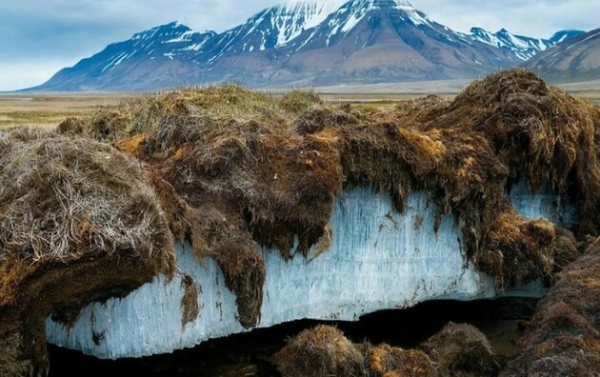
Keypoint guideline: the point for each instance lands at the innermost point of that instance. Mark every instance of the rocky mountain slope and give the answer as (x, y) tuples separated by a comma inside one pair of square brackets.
[(577, 59)]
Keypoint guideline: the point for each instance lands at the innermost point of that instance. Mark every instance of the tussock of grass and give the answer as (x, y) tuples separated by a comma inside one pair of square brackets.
[(298, 101), (461, 350), (221, 104), (387, 361), (324, 351), (320, 352), (563, 338), (58, 202), (78, 223)]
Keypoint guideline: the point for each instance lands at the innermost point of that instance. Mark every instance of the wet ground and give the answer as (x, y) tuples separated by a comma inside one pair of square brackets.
[(248, 354)]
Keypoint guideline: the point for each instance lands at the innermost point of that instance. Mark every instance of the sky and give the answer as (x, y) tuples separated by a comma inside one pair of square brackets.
[(39, 37)]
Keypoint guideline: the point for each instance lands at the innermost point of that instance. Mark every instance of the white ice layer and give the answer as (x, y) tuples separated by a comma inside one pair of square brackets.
[(378, 259), (543, 204)]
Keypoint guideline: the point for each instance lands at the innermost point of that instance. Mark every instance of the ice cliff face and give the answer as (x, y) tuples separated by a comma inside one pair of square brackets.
[(378, 259), (541, 204)]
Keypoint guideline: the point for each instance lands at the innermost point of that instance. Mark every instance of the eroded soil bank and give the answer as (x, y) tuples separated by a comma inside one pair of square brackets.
[(226, 169)]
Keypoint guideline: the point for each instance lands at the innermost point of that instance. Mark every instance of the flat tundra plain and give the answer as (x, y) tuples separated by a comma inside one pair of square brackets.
[(48, 110)]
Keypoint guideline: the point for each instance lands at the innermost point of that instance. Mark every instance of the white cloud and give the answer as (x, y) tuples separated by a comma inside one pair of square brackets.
[(25, 74), (538, 18)]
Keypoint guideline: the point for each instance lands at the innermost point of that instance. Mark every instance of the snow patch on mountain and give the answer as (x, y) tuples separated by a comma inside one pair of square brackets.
[(563, 35), (297, 16), (523, 47)]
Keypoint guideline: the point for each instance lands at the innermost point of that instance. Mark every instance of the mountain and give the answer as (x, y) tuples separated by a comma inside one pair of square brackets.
[(576, 59), (524, 48), (160, 57), (370, 41), (274, 27), (305, 43)]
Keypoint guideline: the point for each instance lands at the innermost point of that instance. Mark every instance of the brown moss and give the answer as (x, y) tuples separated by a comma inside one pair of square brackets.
[(563, 338), (10, 365), (325, 351), (78, 223), (189, 301), (387, 361), (320, 352), (517, 249), (460, 350), (537, 131)]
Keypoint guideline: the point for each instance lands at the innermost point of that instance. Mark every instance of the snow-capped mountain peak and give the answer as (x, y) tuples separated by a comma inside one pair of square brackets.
[(293, 17), (358, 8), (523, 47), (171, 29), (349, 15)]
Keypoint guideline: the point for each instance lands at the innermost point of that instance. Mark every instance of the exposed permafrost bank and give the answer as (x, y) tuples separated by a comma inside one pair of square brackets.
[(377, 259)]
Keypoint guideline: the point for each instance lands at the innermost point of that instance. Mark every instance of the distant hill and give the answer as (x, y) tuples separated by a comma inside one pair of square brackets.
[(301, 43), (576, 59)]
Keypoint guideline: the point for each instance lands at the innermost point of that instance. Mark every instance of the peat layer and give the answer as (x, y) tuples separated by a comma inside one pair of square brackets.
[(94, 208), (563, 338), (78, 222)]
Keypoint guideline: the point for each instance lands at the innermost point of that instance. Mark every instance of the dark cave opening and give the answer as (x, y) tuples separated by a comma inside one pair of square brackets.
[(249, 354)]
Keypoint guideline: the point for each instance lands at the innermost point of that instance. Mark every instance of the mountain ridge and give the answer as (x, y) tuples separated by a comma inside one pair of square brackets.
[(300, 43), (573, 60)]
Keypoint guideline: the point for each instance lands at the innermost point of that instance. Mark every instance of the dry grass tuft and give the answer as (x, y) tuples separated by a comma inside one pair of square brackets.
[(461, 350), (387, 361), (324, 351), (63, 198), (78, 223), (320, 352), (563, 338), (189, 301)]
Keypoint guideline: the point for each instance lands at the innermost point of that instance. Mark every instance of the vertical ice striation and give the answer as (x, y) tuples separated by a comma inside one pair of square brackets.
[(378, 259), (543, 203)]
